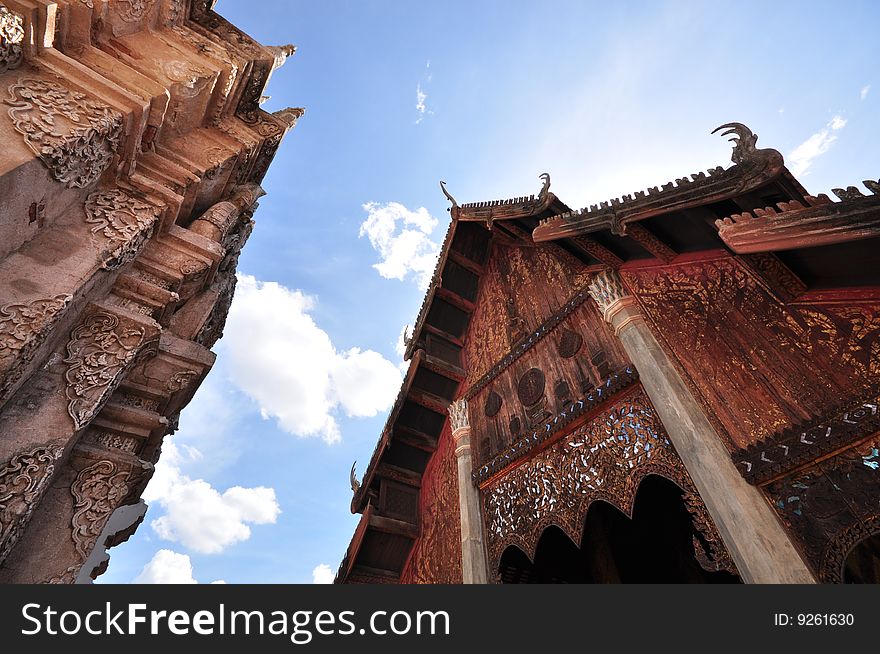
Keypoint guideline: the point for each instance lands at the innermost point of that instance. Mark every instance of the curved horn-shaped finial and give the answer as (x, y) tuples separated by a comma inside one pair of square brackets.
[(743, 142), (448, 196), (546, 187), (355, 484), (407, 337)]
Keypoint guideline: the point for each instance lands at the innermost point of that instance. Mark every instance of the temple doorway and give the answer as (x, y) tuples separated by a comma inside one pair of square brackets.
[(655, 546), (862, 565)]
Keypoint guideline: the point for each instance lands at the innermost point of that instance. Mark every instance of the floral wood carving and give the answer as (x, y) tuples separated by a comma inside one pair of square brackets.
[(605, 459), (22, 328), (75, 137), (436, 555), (98, 491), (11, 37), (97, 353), (791, 363), (23, 480), (123, 220)]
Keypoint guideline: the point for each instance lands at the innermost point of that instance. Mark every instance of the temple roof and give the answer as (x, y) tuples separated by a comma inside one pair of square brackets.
[(723, 209)]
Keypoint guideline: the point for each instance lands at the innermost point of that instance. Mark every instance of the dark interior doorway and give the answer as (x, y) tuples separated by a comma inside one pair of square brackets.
[(655, 546), (862, 565)]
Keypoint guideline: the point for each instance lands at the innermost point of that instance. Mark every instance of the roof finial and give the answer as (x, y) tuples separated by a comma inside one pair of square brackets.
[(545, 189), (743, 143), (355, 484), (448, 196)]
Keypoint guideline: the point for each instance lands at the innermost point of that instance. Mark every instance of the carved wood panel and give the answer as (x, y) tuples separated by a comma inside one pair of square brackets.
[(757, 365), (521, 288), (828, 507), (524, 401), (436, 556), (605, 459)]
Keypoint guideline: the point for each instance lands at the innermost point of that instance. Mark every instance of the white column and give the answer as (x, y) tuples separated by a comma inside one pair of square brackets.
[(758, 544), (474, 560)]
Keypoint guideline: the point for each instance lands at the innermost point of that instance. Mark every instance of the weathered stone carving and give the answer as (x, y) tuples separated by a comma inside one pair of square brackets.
[(23, 480), (74, 136), (22, 328), (98, 351), (98, 490), (115, 441), (134, 10), (11, 37), (181, 380), (122, 219)]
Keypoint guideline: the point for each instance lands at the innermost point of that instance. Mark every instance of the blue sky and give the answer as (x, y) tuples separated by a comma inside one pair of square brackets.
[(609, 98)]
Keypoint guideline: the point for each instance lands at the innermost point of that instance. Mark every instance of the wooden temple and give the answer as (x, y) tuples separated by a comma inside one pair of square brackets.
[(679, 385)]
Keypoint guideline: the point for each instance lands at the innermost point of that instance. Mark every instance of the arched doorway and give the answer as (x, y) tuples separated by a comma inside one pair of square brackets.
[(862, 564), (655, 546)]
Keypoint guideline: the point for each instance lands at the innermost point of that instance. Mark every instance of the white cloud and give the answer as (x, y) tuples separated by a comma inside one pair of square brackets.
[(802, 157), (167, 567), (402, 239), (864, 92), (421, 107), (197, 515), (322, 574), (280, 358)]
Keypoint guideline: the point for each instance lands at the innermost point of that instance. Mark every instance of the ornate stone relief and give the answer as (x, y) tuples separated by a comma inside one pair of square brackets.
[(98, 351), (74, 136), (22, 328), (11, 37), (121, 219), (132, 11), (98, 491), (181, 380), (115, 441), (23, 480)]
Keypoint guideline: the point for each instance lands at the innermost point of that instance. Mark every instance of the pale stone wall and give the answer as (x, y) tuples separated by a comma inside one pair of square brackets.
[(133, 149)]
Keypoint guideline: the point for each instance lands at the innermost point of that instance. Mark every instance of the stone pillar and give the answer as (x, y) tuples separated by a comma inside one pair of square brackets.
[(751, 531), (474, 560)]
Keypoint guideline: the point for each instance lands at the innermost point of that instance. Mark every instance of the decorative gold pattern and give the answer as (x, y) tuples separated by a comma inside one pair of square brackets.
[(605, 459), (436, 556), (788, 363)]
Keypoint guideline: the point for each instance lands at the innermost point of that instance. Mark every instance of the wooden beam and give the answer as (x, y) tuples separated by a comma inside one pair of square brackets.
[(464, 262), (396, 473), (597, 251), (441, 367), (429, 400), (371, 574), (428, 327), (456, 300), (648, 240), (394, 526), (414, 438)]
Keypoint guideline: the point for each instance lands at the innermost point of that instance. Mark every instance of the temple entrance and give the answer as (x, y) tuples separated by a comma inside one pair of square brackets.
[(862, 565), (655, 546)]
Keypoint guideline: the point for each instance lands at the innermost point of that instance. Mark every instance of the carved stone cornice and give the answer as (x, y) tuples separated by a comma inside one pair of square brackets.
[(100, 349), (23, 328), (74, 136), (123, 220), (11, 39), (753, 168), (801, 444), (23, 480), (795, 225)]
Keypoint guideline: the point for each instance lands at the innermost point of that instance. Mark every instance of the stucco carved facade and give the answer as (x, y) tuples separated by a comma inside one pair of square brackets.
[(134, 146)]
